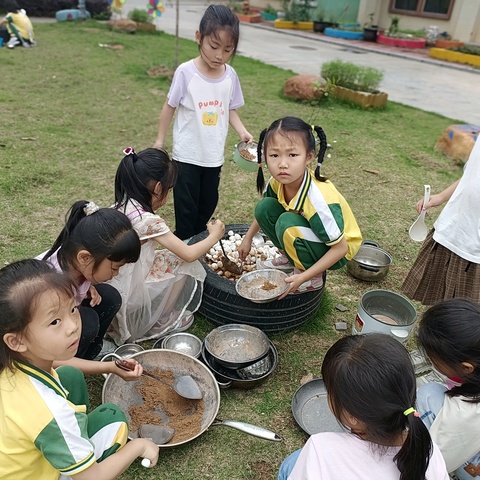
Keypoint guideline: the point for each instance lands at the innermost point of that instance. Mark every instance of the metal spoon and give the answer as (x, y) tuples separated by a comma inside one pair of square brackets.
[(228, 264), (418, 231), (184, 385)]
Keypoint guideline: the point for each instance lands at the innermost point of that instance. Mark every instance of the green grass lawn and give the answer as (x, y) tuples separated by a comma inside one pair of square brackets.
[(70, 107)]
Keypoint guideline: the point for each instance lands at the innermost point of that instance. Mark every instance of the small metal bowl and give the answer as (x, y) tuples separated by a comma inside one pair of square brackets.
[(183, 343), (128, 349), (244, 163), (262, 286)]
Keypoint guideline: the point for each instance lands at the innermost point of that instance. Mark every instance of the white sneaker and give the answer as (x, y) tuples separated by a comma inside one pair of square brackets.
[(13, 42), (278, 263), (315, 283)]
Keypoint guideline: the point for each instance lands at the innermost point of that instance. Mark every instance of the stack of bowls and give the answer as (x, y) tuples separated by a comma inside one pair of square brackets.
[(240, 351)]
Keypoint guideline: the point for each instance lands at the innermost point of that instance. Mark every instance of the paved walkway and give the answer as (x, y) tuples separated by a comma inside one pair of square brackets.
[(411, 76)]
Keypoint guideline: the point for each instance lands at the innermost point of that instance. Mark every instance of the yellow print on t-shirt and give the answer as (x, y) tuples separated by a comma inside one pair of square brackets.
[(210, 118)]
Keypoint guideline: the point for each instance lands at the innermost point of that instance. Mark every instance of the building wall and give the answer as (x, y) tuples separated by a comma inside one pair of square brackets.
[(464, 23)]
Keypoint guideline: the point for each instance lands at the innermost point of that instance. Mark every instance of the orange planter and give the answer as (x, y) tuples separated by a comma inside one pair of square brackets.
[(251, 18), (447, 44)]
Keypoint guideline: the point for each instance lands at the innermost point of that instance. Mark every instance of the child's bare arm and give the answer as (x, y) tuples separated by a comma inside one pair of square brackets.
[(114, 465), (238, 126), (190, 253), (166, 116)]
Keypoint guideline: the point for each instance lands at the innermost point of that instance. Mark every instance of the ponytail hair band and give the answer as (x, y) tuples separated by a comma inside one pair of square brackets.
[(90, 207), (410, 410)]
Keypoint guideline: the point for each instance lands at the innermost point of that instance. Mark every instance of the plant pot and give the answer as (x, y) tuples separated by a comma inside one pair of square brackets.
[(320, 26), (250, 18), (448, 44), (451, 56), (146, 27), (370, 34), (363, 99), (293, 25), (402, 42), (347, 34), (268, 17)]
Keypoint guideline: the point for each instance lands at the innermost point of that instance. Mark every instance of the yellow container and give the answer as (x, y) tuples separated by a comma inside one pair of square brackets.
[(293, 25), (456, 57)]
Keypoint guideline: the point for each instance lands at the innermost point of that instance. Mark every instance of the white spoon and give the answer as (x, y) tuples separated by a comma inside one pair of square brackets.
[(418, 231)]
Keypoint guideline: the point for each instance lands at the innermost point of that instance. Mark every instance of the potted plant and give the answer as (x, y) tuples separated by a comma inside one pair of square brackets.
[(142, 19), (321, 23), (370, 31), (269, 13), (403, 39), (297, 15), (245, 13), (354, 83), (468, 54)]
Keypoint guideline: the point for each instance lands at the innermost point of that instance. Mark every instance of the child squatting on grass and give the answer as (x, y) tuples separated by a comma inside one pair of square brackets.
[(90, 249), (301, 212), (449, 334), (45, 430), (205, 93), (371, 388)]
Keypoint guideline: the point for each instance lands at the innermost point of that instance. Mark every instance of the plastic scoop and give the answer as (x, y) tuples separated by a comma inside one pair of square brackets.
[(229, 264), (184, 385), (159, 434), (418, 231)]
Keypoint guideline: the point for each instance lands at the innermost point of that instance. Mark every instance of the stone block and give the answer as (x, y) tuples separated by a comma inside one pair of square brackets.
[(457, 141), (304, 87)]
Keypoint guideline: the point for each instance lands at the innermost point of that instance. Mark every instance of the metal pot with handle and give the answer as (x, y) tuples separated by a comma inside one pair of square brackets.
[(125, 394), (371, 263)]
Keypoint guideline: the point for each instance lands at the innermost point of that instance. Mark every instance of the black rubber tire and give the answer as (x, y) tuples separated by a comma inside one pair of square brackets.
[(222, 305)]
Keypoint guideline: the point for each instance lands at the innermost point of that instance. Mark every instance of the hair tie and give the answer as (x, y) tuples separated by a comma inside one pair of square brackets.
[(410, 410), (90, 207), (313, 128), (129, 151)]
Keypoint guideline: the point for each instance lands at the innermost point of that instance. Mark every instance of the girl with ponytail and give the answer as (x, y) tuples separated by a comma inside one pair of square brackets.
[(371, 388), (302, 212)]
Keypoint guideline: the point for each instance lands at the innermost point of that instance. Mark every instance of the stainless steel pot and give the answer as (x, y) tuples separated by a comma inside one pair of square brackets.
[(371, 263)]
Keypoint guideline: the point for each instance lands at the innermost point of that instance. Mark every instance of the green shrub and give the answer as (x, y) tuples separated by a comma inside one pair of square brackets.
[(471, 50), (139, 15), (349, 75)]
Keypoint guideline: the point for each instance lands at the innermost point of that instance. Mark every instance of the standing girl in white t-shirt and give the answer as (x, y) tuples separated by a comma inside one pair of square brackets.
[(448, 264), (371, 389), (205, 93)]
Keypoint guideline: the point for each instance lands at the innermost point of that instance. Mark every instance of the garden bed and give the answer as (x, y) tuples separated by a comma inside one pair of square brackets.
[(347, 34), (363, 99), (293, 25), (402, 42), (457, 57)]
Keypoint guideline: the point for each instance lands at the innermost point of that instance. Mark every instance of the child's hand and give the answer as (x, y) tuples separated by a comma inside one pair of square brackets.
[(247, 137), (158, 145), (150, 451), (294, 282), (129, 375), (244, 248), (216, 228), (435, 201), (95, 297)]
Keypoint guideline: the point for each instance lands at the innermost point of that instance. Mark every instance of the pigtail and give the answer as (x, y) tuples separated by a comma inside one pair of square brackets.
[(77, 212), (321, 151), (413, 458), (260, 177)]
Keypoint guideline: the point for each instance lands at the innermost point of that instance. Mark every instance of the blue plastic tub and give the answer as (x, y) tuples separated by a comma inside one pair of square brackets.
[(72, 14), (337, 33)]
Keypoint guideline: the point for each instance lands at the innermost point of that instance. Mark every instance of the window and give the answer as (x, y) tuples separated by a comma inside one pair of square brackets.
[(423, 8)]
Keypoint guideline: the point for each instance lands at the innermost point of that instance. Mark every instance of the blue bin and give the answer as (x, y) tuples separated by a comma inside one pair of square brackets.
[(72, 14)]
